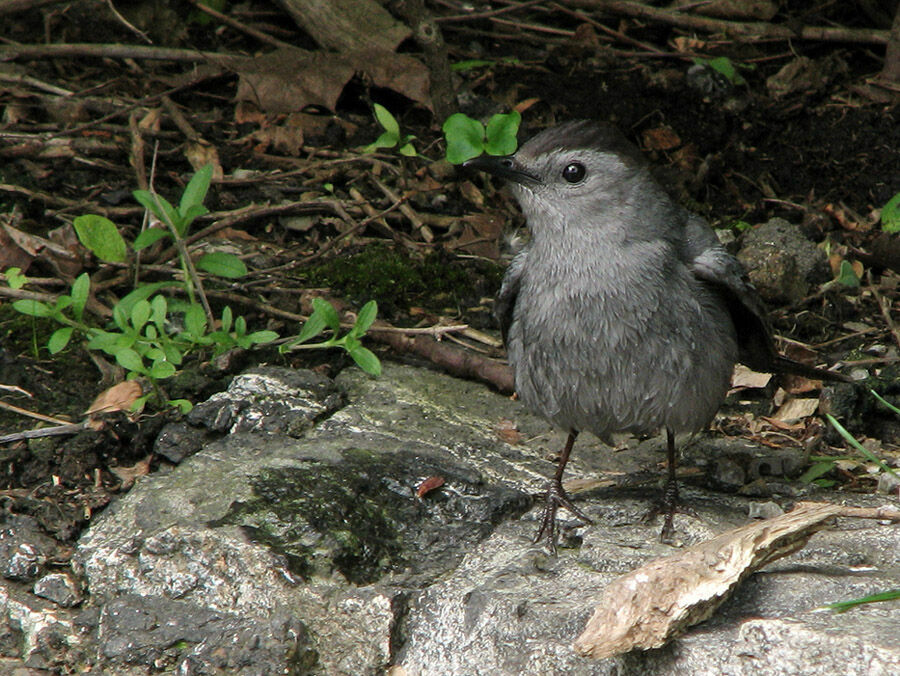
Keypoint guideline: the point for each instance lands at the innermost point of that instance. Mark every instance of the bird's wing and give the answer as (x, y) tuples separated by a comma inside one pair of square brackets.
[(505, 302), (711, 264)]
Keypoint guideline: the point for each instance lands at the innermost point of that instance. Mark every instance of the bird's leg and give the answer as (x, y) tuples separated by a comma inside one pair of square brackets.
[(669, 505), (557, 497), (670, 493)]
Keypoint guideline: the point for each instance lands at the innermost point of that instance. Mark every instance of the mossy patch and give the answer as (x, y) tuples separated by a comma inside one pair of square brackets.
[(398, 280), (360, 515)]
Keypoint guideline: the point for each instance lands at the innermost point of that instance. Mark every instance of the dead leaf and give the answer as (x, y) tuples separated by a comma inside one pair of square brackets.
[(472, 193), (151, 121), (13, 255), (428, 485), (127, 475), (795, 409), (525, 104), (480, 235), (119, 397), (743, 377), (201, 153), (508, 433), (689, 44), (290, 79), (661, 138), (233, 233)]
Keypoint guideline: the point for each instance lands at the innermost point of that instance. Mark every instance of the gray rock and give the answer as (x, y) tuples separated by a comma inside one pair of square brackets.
[(781, 262), (178, 440), (269, 399), (314, 552), (23, 548), (165, 634), (59, 588)]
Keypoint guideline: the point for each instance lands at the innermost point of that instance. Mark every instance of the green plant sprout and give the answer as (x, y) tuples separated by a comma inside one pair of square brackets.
[(472, 64), (467, 138), (844, 606), (142, 340), (141, 337), (824, 464), (847, 276), (391, 137), (890, 215), (323, 317), (724, 66)]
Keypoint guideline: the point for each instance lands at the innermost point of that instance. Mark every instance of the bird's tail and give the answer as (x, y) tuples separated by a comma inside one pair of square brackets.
[(786, 365)]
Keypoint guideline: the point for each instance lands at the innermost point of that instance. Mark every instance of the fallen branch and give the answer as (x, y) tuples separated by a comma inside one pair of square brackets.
[(655, 603), (453, 360), (752, 29)]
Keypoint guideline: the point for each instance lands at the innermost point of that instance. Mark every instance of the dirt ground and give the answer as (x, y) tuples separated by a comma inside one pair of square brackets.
[(810, 145)]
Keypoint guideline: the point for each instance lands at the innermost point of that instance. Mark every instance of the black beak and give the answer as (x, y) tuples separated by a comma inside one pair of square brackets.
[(506, 167)]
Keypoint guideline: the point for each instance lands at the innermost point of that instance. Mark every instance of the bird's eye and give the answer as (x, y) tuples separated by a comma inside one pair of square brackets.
[(574, 172)]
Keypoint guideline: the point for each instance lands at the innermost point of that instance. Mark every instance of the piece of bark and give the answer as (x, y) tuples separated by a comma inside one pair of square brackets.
[(347, 25), (655, 603)]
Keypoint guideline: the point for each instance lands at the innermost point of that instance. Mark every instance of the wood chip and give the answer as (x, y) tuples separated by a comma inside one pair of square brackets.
[(651, 605)]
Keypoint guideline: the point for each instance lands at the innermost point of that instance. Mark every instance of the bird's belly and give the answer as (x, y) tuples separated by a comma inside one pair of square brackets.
[(635, 372)]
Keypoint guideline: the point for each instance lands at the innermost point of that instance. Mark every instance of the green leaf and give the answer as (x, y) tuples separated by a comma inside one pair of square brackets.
[(465, 138), (470, 64), (101, 237), (192, 213), (62, 302), (226, 319), (262, 337), (501, 133), (723, 65), (140, 313), (148, 237), (160, 207), (407, 150), (885, 402), (158, 311), (161, 370), (890, 215), (386, 140), (195, 191), (816, 471), (858, 446), (15, 278), (99, 339), (365, 318), (183, 405), (33, 308), (195, 320), (311, 328), (846, 276), (240, 325), (366, 360), (143, 292), (172, 353), (328, 313), (59, 339), (130, 360), (843, 606), (81, 289), (222, 264), (387, 121)]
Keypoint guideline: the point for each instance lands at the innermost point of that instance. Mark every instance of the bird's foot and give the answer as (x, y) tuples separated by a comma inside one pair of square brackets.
[(669, 507), (555, 498)]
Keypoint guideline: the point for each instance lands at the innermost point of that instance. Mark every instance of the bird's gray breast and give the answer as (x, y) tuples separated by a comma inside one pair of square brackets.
[(625, 342)]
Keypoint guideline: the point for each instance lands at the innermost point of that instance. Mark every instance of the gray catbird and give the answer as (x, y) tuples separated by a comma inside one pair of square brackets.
[(623, 313)]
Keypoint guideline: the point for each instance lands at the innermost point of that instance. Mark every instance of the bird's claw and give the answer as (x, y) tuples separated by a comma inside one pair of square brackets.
[(555, 498)]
